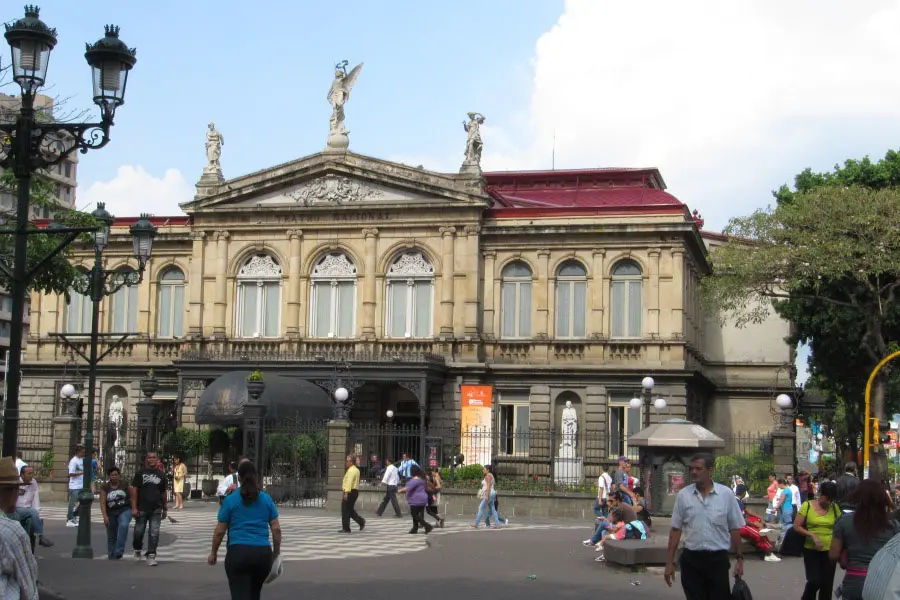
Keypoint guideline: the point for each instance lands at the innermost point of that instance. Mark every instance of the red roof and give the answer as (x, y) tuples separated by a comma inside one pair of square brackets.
[(584, 188)]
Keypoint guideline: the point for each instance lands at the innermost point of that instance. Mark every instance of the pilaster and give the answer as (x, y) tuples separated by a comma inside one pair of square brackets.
[(448, 259), (65, 437), (471, 263), (490, 261), (596, 323), (784, 451), (542, 294), (370, 283), (677, 299), (338, 432), (195, 284), (221, 272), (294, 299)]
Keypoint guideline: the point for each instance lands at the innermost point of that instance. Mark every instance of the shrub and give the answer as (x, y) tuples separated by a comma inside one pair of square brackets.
[(754, 468), (255, 376), (468, 474)]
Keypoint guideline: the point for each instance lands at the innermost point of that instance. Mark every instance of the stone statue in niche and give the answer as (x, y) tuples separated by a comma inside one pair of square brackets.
[(116, 421), (569, 431)]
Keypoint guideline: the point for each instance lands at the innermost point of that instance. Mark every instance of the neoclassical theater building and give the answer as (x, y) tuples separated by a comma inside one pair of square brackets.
[(548, 285)]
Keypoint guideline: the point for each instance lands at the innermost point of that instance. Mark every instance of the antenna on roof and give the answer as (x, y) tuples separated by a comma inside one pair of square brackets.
[(553, 152)]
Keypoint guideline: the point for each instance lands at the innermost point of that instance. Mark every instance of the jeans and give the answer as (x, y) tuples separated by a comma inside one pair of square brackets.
[(819, 574), (786, 517), (601, 508), (73, 502), (29, 513), (348, 511), (390, 495), (247, 568), (601, 532), (140, 526), (486, 510), (705, 575), (117, 532)]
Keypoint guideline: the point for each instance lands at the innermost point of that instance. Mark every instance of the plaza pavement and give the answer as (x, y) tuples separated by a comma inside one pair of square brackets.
[(382, 562)]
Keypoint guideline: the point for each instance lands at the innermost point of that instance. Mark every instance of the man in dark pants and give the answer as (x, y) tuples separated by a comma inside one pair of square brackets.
[(350, 487), (148, 507), (391, 480), (711, 520)]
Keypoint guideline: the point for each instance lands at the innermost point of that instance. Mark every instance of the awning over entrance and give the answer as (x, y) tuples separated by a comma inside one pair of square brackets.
[(222, 402)]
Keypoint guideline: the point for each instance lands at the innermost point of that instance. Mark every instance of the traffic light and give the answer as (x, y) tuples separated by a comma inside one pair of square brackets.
[(880, 435)]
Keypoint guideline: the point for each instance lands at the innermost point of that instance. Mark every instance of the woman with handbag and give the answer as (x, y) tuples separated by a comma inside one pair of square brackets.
[(816, 522), (433, 487), (858, 536)]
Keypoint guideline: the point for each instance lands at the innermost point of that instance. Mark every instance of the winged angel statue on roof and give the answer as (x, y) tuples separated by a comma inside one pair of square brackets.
[(340, 93)]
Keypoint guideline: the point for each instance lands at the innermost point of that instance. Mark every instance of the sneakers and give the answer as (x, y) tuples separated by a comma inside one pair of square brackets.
[(506, 521), (151, 560), (72, 523), (587, 542), (771, 558), (43, 541), (137, 555), (600, 558)]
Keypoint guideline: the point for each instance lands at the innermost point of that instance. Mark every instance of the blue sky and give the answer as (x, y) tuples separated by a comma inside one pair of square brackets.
[(729, 100)]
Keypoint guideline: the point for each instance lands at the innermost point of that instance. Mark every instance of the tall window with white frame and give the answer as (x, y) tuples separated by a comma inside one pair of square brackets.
[(410, 297), (78, 310), (124, 308), (259, 297), (515, 310), (332, 301), (623, 422), (514, 424), (571, 300), (626, 300), (171, 304)]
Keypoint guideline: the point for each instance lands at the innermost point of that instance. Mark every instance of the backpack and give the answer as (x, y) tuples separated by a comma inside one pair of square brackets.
[(635, 531)]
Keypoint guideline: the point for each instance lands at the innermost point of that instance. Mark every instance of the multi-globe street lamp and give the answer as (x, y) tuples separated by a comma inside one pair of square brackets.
[(29, 144), (646, 400)]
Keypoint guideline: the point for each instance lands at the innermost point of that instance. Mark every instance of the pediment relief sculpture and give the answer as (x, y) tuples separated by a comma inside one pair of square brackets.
[(334, 190)]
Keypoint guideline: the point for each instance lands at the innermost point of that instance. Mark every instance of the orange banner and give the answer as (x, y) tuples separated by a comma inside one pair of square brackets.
[(476, 423)]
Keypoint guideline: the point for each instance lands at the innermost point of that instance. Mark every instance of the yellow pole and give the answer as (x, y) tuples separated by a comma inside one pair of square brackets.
[(868, 421)]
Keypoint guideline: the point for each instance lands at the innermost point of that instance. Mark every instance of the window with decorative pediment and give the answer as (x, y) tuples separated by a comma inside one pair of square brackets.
[(78, 309), (626, 300), (259, 297), (171, 304), (332, 301), (571, 300), (124, 308), (410, 297), (515, 310)]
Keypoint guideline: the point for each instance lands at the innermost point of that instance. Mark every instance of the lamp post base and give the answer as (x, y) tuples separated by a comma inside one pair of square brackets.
[(83, 547)]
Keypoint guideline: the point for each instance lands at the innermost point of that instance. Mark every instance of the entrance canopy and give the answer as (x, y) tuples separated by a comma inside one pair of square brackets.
[(222, 402)]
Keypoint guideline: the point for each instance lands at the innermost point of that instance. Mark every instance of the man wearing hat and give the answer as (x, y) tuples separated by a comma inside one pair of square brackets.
[(18, 568)]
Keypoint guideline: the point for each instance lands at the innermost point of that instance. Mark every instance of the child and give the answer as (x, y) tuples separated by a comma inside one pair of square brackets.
[(615, 529)]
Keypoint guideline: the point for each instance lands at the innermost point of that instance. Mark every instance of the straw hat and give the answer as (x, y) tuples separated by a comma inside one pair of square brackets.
[(9, 475)]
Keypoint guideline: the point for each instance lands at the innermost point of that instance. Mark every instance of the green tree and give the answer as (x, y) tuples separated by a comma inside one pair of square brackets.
[(57, 275)]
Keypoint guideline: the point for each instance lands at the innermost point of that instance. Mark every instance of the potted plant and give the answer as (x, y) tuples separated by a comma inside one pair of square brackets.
[(255, 385), (203, 445)]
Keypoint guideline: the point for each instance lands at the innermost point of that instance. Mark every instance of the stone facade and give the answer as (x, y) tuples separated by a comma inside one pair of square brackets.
[(550, 286)]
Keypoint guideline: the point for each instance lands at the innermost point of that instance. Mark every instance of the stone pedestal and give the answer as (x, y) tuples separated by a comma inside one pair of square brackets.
[(254, 418), (784, 452), (65, 437), (568, 471), (338, 431), (337, 142)]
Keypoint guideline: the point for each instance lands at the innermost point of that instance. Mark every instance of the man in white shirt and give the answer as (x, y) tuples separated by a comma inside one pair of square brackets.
[(604, 486), (795, 494), (19, 462), (229, 483), (18, 568), (28, 505), (76, 484), (391, 479)]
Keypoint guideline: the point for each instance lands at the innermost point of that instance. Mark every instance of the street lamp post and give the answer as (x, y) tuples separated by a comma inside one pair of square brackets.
[(99, 284), (28, 145), (646, 400)]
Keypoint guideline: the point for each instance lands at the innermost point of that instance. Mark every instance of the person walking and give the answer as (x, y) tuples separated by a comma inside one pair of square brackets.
[(247, 517), (76, 484), (604, 488), (846, 485), (406, 465), (18, 567), (350, 486), (816, 520), (433, 486), (391, 481), (709, 517), (862, 535), (148, 507), (28, 505), (487, 508), (115, 505), (179, 474), (417, 498)]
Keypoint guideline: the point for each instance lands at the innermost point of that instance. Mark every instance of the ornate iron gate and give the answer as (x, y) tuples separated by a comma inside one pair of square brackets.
[(295, 462)]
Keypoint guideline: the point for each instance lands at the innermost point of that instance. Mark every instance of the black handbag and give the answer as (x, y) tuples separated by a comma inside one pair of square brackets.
[(793, 542), (740, 591)]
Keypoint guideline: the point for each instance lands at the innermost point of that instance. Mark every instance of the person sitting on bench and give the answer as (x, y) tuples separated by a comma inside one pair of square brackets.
[(28, 505)]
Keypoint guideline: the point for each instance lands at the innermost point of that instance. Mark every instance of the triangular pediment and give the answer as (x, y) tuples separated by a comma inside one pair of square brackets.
[(337, 179)]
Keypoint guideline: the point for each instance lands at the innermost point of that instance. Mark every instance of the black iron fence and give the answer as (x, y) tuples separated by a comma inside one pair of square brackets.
[(748, 456), (295, 462), (36, 444), (537, 460)]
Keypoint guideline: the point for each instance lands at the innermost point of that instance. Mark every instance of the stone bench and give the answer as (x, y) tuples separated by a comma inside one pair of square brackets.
[(652, 551)]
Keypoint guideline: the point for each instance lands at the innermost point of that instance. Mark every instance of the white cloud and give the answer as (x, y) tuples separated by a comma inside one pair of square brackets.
[(728, 99), (133, 191)]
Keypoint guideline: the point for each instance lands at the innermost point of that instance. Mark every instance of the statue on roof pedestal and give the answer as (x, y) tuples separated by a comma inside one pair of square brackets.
[(338, 95), (474, 145), (214, 143)]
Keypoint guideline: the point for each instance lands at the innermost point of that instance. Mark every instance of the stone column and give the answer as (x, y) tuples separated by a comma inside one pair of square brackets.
[(542, 295), (147, 419), (447, 281), (784, 451), (677, 299), (470, 262), (370, 286), (338, 432), (221, 299), (490, 258), (254, 419), (652, 295), (294, 300), (65, 437), (598, 291), (195, 285)]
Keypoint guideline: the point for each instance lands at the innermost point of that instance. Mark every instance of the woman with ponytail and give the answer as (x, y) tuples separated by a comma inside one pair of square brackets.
[(247, 517)]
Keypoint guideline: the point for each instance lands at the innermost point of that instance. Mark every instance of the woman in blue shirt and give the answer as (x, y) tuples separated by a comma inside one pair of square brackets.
[(247, 517)]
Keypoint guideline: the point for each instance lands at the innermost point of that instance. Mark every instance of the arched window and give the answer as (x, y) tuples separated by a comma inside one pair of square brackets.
[(626, 299), (515, 308), (78, 309), (259, 297), (171, 304), (332, 299), (410, 297), (124, 308), (571, 300)]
